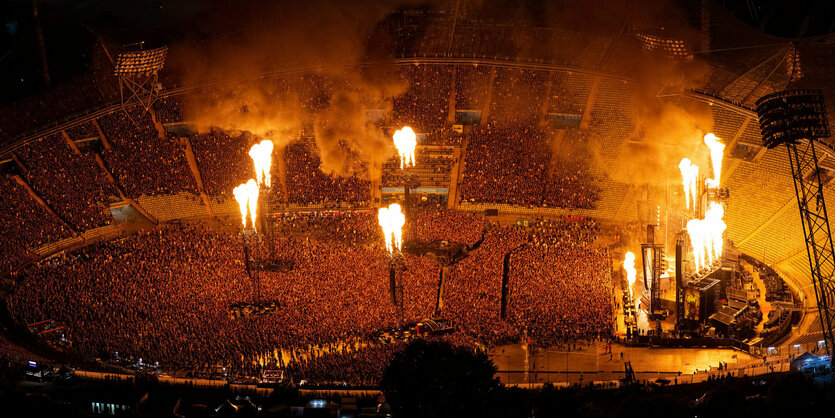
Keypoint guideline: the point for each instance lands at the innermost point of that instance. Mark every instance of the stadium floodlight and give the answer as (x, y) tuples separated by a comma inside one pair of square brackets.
[(137, 72), (788, 116), (671, 47), (796, 118), (140, 63)]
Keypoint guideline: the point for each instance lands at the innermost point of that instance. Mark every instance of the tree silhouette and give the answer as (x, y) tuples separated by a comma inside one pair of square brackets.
[(433, 379)]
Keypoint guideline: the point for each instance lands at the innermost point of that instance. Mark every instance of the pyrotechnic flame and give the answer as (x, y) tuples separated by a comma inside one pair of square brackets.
[(262, 158), (247, 197), (242, 197), (706, 236), (252, 194), (690, 181), (392, 221), (405, 141), (717, 150), (631, 273)]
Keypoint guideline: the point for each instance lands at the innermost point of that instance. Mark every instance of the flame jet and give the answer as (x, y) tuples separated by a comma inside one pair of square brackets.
[(690, 181), (247, 197), (262, 159), (242, 197), (631, 273), (391, 219), (717, 151), (405, 141)]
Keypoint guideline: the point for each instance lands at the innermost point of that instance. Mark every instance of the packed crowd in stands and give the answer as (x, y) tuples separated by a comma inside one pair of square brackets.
[(223, 161), (307, 184), (442, 225), (505, 165), (24, 224), (141, 161), (424, 105), (517, 96), (571, 185), (513, 165), (72, 185)]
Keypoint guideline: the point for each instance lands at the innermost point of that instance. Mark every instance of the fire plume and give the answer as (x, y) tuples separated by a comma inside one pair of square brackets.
[(247, 197), (690, 181), (706, 236), (629, 267), (717, 150), (242, 198), (391, 219), (261, 155), (405, 141)]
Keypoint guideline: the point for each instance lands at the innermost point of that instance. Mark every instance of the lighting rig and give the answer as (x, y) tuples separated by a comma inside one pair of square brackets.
[(797, 119)]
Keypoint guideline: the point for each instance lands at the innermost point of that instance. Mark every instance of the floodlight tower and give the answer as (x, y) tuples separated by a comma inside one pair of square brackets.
[(138, 74), (796, 118)]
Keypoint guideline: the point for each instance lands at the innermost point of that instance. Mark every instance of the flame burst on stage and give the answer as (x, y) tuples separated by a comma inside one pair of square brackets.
[(405, 141), (391, 219), (706, 235), (261, 155)]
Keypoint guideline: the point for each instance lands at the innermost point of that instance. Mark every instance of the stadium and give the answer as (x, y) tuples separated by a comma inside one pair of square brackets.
[(597, 205)]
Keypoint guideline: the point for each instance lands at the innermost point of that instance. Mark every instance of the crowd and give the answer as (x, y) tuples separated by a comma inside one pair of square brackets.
[(517, 96), (142, 162), (473, 290), (163, 295), (442, 225), (24, 224), (571, 185), (72, 185), (83, 131), (560, 285), (223, 160), (513, 165), (168, 291), (505, 165), (307, 184), (424, 106)]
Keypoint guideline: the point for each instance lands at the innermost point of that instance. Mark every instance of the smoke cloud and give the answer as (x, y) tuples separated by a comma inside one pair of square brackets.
[(240, 42)]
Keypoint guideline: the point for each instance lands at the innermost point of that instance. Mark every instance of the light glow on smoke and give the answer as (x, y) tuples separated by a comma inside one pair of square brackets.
[(262, 158), (391, 219), (405, 141)]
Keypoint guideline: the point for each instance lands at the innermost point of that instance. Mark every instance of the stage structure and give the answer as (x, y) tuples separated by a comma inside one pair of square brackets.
[(796, 119), (138, 74), (653, 264)]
